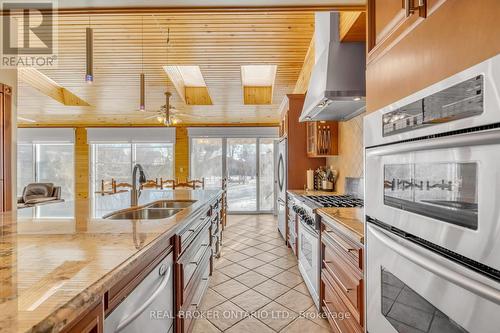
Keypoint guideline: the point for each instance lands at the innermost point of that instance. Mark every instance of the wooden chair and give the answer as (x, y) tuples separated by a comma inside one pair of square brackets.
[(167, 183), (107, 187), (151, 184), (192, 184), (122, 187)]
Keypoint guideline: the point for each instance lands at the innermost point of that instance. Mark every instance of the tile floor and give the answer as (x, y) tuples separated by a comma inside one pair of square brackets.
[(256, 286)]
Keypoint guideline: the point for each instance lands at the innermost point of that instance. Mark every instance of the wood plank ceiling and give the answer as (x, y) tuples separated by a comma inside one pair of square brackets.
[(126, 43)]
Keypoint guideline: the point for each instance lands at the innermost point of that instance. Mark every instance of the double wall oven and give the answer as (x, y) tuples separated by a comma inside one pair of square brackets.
[(432, 206)]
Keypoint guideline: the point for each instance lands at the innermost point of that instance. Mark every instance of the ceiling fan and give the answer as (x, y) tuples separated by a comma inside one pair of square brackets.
[(168, 114)]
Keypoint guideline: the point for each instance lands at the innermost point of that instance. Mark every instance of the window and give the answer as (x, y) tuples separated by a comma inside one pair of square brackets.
[(116, 160), (206, 161), (47, 163)]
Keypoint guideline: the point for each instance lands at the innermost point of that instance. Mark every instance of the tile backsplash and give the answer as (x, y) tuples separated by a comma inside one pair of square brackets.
[(349, 161)]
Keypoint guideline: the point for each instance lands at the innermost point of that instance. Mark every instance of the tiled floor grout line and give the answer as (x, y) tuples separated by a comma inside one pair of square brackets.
[(239, 235)]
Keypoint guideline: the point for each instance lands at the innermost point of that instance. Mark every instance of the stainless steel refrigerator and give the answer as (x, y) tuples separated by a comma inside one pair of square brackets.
[(281, 180)]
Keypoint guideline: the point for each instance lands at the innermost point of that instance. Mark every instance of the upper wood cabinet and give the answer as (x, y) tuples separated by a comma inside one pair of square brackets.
[(453, 36), (322, 138), (389, 19)]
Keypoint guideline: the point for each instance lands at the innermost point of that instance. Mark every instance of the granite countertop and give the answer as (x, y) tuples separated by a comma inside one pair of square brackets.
[(56, 260), (310, 192), (349, 220)]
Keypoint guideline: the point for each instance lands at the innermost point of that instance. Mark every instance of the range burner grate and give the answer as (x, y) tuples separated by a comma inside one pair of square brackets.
[(343, 201)]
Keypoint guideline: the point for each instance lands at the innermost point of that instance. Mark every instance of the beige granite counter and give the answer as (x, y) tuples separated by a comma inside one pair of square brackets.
[(52, 268), (350, 220), (310, 192)]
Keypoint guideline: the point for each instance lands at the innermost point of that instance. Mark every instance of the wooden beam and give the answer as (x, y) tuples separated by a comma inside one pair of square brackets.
[(352, 27), (49, 87), (212, 9)]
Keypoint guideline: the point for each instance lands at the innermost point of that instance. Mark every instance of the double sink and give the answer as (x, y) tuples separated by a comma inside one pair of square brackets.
[(156, 210)]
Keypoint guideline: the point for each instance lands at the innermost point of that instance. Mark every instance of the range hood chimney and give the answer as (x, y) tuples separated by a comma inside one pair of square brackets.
[(337, 86)]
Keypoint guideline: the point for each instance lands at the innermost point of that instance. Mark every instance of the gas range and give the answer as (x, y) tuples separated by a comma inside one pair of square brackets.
[(305, 206)]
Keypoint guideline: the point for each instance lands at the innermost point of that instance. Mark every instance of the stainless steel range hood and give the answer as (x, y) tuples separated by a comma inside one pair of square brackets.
[(337, 86)]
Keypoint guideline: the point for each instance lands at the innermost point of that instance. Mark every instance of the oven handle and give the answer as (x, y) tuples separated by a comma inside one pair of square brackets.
[(417, 256), (471, 139)]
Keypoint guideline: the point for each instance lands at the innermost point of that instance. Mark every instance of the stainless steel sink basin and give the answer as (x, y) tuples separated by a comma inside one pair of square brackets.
[(146, 213), (172, 204)]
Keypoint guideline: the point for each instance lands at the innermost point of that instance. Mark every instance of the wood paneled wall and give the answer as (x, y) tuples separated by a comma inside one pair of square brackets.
[(82, 162), (181, 153)]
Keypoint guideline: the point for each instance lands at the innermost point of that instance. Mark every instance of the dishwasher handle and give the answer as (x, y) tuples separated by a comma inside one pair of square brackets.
[(164, 282)]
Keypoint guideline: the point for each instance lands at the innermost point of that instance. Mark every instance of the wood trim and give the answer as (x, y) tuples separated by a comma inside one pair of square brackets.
[(6, 146), (209, 9), (371, 34), (183, 125), (92, 321)]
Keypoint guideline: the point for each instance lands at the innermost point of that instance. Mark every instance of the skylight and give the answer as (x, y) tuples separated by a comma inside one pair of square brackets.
[(258, 75), (191, 75)]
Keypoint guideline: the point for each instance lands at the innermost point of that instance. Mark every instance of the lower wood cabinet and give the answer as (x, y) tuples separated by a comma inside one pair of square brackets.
[(90, 322), (189, 254), (342, 279)]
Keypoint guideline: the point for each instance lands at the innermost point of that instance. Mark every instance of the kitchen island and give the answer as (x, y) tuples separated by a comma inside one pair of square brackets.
[(57, 271)]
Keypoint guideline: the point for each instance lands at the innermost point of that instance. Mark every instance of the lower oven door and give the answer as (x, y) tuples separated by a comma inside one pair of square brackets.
[(308, 255), (412, 289), (444, 190)]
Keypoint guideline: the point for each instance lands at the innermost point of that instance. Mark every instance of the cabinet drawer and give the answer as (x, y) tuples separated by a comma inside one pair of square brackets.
[(194, 305), (193, 255), (338, 314), (350, 250), (202, 272)]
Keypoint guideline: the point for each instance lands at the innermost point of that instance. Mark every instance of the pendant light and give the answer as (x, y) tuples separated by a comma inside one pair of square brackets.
[(89, 75), (142, 102)]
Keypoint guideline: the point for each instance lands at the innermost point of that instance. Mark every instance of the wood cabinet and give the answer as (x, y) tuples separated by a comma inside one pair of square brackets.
[(6, 147), (389, 19), (91, 322), (193, 249), (342, 281), (292, 225), (418, 52), (322, 138), (298, 161), (196, 246)]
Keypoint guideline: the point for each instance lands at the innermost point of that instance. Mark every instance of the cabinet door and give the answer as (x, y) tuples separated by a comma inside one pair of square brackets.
[(388, 14), (92, 322), (311, 139), (389, 19)]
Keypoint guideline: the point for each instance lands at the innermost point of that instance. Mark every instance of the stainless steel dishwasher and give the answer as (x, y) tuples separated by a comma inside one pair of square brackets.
[(149, 307)]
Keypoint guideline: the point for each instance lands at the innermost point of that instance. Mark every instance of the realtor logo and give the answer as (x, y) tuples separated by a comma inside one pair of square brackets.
[(28, 34)]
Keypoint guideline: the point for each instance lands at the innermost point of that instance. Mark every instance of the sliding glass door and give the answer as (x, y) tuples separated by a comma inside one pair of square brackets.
[(206, 161), (248, 164), (241, 174)]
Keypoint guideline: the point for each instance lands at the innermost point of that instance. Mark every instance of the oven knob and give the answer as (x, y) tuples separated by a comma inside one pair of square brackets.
[(309, 220)]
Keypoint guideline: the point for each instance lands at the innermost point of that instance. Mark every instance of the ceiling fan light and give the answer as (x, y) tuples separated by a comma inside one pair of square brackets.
[(89, 55)]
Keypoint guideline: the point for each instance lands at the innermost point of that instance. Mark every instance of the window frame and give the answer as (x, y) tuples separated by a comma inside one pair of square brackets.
[(133, 158)]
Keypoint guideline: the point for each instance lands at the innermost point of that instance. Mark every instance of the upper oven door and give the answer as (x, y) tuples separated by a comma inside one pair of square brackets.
[(444, 190), (411, 289)]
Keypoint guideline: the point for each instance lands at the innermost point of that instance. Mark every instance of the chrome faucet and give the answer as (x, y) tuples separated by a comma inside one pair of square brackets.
[(135, 193)]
